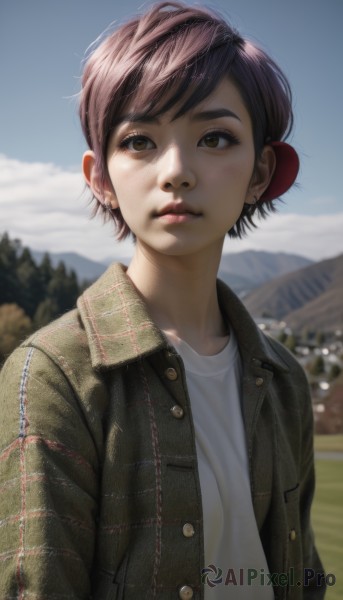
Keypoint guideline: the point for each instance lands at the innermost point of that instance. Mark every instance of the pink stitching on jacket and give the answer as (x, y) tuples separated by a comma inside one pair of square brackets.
[(56, 446)]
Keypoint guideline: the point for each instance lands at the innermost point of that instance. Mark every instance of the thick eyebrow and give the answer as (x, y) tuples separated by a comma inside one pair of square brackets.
[(208, 115)]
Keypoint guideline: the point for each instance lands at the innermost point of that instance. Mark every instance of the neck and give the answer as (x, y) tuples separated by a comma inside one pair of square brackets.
[(181, 296)]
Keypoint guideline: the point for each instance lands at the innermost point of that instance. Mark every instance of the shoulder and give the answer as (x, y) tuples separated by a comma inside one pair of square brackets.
[(291, 384), (48, 385), (294, 367), (64, 342), (54, 361), (70, 341)]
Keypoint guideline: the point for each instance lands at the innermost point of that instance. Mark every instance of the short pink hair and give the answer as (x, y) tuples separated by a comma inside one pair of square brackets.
[(174, 54)]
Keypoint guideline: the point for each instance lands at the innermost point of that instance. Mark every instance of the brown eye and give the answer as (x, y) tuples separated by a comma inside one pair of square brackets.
[(218, 140), (212, 140), (137, 143)]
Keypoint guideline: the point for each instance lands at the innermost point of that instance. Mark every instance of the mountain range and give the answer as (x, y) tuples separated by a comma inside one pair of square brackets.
[(303, 293), (246, 270), (310, 298), (242, 271)]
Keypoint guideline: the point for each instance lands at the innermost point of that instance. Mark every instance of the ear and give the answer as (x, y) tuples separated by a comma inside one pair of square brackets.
[(105, 194), (262, 175)]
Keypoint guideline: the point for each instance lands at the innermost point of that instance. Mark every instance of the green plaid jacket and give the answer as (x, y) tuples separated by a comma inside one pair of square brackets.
[(98, 468)]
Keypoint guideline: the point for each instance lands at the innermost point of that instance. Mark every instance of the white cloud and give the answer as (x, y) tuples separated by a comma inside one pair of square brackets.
[(46, 207), (314, 236)]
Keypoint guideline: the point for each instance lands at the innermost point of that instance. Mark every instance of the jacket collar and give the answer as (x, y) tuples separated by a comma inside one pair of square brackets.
[(118, 326), (120, 330), (254, 345)]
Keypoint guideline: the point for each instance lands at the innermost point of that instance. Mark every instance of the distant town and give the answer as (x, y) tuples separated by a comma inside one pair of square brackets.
[(321, 356)]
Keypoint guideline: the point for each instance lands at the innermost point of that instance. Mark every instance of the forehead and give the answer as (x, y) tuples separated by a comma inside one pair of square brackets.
[(226, 94)]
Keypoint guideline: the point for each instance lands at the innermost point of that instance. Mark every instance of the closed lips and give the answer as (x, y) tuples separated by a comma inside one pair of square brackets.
[(178, 210)]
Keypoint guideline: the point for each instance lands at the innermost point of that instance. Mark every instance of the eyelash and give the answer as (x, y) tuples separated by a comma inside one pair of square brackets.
[(229, 137), (124, 144)]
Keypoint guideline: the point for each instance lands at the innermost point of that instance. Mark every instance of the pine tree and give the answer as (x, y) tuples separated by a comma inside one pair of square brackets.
[(47, 311), (30, 285), (15, 325), (9, 285), (63, 288)]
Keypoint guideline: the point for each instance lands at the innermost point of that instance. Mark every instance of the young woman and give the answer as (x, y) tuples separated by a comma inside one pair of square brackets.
[(154, 443)]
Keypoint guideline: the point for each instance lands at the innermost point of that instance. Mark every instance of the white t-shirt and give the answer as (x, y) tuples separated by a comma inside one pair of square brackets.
[(232, 541)]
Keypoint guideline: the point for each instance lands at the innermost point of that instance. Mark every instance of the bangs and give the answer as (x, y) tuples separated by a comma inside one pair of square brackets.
[(181, 70), (189, 85)]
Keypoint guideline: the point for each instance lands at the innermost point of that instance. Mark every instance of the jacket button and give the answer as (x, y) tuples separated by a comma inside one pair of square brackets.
[(177, 411), (185, 592), (292, 535), (259, 381), (188, 530), (171, 374)]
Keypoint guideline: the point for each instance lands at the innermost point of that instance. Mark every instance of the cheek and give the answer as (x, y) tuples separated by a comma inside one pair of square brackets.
[(120, 184), (235, 171), (232, 181), (128, 179)]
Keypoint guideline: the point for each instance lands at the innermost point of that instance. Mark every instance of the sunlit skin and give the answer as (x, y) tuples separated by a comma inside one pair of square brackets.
[(181, 185)]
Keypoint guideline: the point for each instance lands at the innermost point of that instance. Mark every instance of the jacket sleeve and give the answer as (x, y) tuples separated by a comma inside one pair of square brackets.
[(48, 483), (313, 572)]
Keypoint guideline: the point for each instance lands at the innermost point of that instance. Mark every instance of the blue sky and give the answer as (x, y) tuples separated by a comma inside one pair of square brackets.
[(42, 44)]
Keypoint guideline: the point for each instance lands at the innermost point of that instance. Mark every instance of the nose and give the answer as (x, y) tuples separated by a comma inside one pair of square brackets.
[(175, 171)]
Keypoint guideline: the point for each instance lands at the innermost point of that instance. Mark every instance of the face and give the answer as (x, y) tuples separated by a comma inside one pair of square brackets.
[(181, 184)]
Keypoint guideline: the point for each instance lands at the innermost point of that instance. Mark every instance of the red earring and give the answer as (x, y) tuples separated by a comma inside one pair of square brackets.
[(286, 170)]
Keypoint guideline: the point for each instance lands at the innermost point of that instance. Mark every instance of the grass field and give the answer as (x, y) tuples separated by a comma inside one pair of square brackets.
[(327, 517), (328, 443)]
